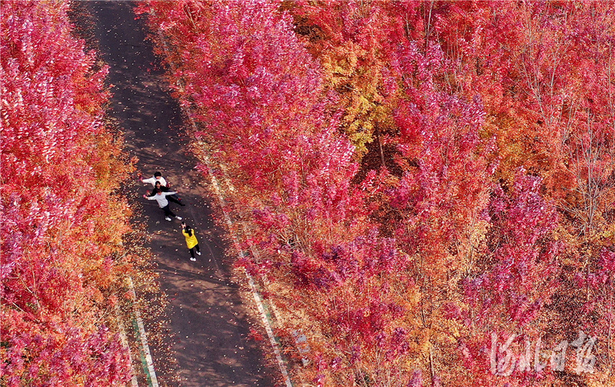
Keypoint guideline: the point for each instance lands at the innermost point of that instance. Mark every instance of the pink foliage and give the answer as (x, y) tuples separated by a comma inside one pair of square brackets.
[(524, 274), (52, 106)]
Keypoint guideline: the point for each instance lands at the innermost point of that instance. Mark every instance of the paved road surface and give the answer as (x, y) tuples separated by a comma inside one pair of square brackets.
[(208, 322)]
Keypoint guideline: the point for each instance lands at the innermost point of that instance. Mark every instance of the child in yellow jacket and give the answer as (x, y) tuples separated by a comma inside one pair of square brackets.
[(191, 241)]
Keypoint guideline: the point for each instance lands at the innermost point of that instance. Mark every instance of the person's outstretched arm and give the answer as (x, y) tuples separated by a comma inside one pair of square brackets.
[(151, 180)]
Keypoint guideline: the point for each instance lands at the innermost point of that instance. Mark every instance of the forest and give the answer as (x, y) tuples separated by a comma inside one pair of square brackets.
[(424, 190)]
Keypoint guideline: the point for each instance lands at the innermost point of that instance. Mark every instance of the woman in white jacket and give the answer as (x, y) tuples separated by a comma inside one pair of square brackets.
[(161, 198)]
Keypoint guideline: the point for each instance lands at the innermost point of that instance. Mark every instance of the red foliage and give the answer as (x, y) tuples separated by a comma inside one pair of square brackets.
[(494, 124), (523, 275), (445, 179), (59, 226)]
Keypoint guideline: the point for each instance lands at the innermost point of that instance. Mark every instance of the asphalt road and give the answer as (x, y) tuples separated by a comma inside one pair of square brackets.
[(208, 322)]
